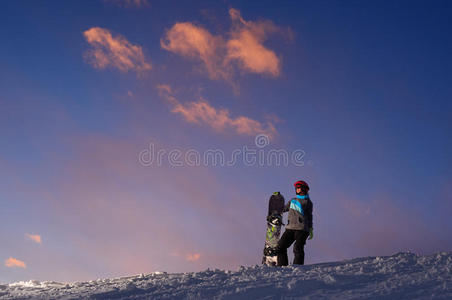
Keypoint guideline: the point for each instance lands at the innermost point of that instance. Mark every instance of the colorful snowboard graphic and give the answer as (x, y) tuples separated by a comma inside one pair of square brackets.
[(274, 223)]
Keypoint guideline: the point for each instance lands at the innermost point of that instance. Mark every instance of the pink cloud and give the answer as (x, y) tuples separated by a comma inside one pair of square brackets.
[(195, 42), (12, 263), (244, 48), (34, 237), (114, 51), (247, 48), (201, 112), (188, 256), (192, 257)]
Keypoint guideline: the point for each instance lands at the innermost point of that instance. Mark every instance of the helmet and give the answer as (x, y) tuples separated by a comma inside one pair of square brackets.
[(301, 184)]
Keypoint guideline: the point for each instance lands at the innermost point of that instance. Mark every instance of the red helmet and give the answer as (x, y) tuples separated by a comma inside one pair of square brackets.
[(301, 184)]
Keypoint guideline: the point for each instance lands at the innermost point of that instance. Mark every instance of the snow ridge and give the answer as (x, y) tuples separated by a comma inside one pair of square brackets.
[(401, 276)]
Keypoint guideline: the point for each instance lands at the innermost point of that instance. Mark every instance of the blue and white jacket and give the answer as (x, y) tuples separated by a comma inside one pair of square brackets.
[(300, 213)]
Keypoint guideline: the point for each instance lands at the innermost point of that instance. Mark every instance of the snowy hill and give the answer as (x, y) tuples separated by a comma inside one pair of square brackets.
[(400, 276)]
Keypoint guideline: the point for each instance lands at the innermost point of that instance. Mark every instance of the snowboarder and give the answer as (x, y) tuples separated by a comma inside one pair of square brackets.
[(299, 225)]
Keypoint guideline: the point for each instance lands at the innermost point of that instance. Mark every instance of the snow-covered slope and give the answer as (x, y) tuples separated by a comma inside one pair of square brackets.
[(400, 276)]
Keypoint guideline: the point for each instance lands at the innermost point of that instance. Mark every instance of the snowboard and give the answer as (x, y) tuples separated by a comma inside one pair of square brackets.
[(274, 224)]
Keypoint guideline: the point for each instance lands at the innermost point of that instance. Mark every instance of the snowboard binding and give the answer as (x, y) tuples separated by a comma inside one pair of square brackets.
[(275, 219)]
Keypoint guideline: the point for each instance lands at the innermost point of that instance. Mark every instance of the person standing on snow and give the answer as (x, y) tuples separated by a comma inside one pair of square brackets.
[(299, 225)]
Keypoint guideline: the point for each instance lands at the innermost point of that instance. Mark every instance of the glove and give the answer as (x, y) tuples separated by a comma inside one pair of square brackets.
[(311, 233)]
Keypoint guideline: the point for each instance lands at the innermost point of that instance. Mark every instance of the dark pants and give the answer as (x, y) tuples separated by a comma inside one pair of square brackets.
[(288, 237)]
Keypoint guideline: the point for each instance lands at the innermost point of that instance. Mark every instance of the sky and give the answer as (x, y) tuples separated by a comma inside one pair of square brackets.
[(141, 136)]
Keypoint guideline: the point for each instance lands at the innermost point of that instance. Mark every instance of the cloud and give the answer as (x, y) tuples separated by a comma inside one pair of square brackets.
[(192, 257), (201, 112), (114, 51), (247, 48), (195, 42), (244, 49), (187, 256), (12, 262), (34, 237)]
